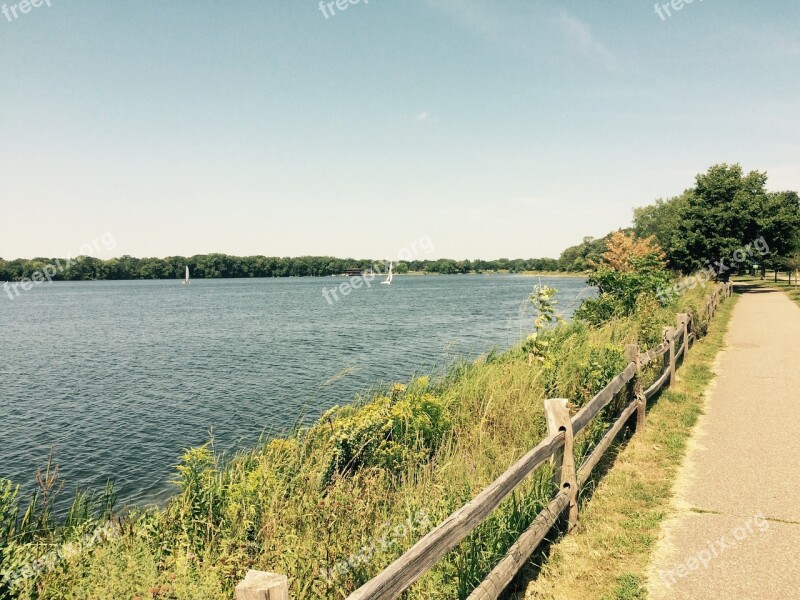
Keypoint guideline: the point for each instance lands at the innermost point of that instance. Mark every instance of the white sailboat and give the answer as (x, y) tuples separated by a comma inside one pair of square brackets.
[(186, 279), (388, 280)]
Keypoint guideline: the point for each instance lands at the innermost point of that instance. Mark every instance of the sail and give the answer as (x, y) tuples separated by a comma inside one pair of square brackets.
[(186, 279), (388, 280)]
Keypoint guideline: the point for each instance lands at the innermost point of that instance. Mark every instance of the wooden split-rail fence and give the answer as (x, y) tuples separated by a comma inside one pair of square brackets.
[(569, 478)]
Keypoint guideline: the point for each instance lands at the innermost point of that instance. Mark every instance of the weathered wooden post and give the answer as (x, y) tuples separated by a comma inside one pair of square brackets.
[(258, 585), (565, 476), (669, 336), (689, 329), (683, 326), (632, 355)]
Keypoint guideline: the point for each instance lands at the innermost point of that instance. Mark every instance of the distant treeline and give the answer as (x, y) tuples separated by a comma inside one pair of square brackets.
[(224, 266)]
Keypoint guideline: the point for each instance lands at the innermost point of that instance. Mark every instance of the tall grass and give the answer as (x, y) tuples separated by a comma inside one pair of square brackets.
[(332, 504), (31, 536)]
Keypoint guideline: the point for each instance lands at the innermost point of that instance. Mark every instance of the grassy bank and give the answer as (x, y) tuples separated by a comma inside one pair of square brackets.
[(333, 504), (608, 554)]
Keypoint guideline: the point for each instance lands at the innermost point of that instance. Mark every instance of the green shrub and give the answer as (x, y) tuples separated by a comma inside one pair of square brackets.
[(620, 292), (392, 432)]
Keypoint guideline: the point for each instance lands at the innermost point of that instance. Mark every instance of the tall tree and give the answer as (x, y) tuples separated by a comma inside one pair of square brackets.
[(779, 223), (722, 215), (662, 220)]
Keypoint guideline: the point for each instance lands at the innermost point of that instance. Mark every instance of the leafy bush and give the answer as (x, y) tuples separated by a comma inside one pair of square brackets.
[(393, 431), (631, 268)]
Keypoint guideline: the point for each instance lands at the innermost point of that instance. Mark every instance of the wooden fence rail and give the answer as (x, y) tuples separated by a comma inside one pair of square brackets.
[(557, 447)]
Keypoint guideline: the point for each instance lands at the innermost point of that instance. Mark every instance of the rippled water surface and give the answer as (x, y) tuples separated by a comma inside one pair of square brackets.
[(119, 377)]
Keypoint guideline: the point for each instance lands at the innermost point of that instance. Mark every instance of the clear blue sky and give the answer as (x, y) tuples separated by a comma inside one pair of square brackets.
[(496, 129)]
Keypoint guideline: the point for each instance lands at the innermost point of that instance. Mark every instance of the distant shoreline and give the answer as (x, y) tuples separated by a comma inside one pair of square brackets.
[(552, 274), (223, 266)]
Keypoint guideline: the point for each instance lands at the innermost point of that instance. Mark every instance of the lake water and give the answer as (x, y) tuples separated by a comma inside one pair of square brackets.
[(120, 377)]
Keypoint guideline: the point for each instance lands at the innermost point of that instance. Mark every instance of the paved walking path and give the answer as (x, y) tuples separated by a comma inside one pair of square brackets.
[(736, 534)]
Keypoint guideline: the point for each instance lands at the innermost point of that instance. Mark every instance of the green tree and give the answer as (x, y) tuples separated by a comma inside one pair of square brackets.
[(722, 215), (582, 256), (779, 223), (662, 220)]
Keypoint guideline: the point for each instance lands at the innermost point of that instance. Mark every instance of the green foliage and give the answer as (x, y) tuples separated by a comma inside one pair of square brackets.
[(395, 431), (662, 220), (619, 293), (544, 304), (9, 558), (199, 508), (583, 256), (580, 363), (28, 537), (721, 216), (726, 210), (581, 379), (779, 223)]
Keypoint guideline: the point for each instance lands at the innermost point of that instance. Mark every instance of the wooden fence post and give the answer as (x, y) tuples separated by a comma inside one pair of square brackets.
[(683, 326), (632, 355), (686, 320), (558, 419), (258, 585), (669, 335)]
